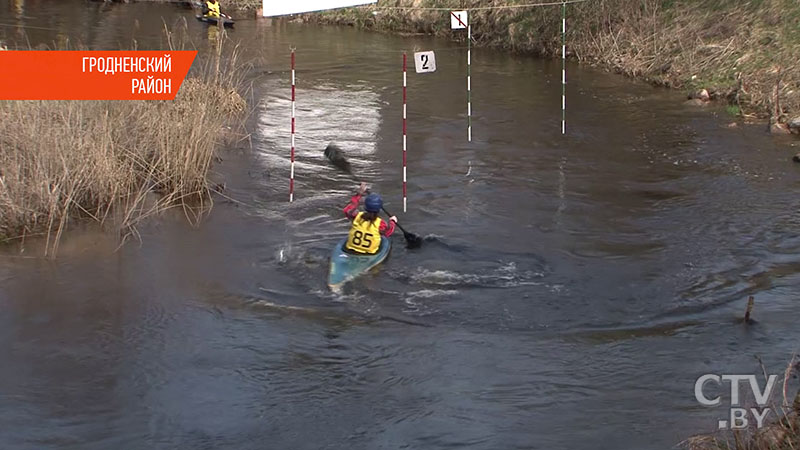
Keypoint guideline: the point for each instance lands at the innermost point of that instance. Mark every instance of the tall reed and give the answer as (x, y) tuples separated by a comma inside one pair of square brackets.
[(114, 162)]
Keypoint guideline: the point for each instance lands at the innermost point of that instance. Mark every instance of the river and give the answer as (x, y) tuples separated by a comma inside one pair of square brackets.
[(571, 290)]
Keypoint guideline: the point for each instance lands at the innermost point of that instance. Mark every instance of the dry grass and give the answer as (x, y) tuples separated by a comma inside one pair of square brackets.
[(242, 4), (112, 161), (742, 50), (782, 434)]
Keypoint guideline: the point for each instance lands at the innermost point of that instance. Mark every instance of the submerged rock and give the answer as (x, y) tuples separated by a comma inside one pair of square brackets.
[(796, 158), (696, 102)]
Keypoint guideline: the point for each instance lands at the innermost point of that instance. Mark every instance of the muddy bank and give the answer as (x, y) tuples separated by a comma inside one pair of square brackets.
[(741, 52)]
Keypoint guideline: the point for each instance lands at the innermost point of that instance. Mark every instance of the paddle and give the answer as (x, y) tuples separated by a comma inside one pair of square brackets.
[(412, 240)]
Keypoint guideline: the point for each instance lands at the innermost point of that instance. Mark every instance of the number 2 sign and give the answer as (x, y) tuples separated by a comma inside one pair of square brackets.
[(425, 62)]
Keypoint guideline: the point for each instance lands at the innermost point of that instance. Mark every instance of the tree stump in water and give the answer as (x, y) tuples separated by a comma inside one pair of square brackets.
[(335, 156)]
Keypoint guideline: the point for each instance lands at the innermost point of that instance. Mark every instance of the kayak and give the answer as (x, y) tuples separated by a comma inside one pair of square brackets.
[(346, 266), (226, 21)]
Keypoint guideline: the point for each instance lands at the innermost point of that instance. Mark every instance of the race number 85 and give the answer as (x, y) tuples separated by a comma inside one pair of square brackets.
[(362, 239)]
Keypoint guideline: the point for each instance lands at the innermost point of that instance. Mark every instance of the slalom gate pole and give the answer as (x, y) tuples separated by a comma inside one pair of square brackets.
[(469, 82), (564, 67), (405, 139), (291, 173)]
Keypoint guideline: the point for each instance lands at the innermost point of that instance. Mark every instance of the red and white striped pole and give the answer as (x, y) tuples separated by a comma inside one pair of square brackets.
[(291, 173), (405, 62), (564, 67)]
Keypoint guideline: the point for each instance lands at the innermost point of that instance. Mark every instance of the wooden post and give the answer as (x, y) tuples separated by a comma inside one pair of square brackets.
[(750, 302)]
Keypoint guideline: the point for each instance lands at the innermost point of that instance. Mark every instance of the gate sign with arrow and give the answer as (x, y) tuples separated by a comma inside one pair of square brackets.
[(425, 62)]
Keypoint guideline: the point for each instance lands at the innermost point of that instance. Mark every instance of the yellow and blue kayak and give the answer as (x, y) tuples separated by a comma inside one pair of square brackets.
[(347, 266)]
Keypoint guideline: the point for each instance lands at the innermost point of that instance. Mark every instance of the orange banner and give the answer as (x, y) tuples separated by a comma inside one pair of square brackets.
[(93, 75)]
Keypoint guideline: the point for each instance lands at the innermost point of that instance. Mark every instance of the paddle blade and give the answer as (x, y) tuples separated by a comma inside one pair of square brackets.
[(336, 157), (412, 240)]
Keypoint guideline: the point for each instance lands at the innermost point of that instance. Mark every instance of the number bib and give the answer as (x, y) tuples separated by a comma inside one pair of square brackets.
[(365, 236)]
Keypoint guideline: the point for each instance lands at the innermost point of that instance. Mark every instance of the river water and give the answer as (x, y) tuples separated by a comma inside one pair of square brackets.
[(570, 291)]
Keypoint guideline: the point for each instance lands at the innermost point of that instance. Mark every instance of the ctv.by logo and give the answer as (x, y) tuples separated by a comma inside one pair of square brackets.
[(738, 415)]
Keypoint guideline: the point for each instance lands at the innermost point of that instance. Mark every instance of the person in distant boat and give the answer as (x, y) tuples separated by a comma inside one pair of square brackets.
[(367, 228), (211, 9)]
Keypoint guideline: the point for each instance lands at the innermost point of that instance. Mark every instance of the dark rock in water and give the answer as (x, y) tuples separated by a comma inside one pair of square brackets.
[(701, 95), (335, 156), (796, 158), (794, 125)]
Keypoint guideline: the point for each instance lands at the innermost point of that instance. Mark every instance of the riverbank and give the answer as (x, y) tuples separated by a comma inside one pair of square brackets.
[(741, 52), (782, 434), (111, 161)]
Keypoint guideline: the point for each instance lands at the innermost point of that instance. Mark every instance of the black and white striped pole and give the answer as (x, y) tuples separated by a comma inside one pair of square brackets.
[(469, 83)]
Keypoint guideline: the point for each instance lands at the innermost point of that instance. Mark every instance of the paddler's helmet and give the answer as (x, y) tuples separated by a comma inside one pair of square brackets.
[(373, 203)]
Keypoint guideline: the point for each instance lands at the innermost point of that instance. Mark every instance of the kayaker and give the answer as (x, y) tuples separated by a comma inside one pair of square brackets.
[(211, 9), (365, 233)]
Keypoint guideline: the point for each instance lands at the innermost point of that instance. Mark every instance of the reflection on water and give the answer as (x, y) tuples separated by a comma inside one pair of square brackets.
[(569, 291)]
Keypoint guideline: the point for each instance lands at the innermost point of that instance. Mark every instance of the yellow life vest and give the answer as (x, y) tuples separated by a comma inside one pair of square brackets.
[(213, 9), (365, 236)]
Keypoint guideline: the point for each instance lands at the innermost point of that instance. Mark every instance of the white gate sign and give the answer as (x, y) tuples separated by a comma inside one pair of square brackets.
[(425, 62), (284, 7), (458, 20)]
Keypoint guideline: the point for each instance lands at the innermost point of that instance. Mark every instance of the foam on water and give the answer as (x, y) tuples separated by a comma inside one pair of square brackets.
[(324, 114), (430, 293), (504, 276)]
